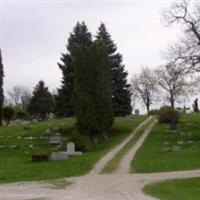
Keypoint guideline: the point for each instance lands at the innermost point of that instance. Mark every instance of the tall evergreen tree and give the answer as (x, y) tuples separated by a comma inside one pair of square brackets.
[(80, 37), (121, 93), (93, 91), (1, 88), (41, 102)]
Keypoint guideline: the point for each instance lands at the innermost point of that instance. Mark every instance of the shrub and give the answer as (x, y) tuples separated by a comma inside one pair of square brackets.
[(20, 115), (79, 141), (38, 157), (8, 114), (154, 112), (168, 115)]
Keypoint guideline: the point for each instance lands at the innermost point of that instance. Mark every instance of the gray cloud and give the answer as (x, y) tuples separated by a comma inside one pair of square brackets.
[(34, 34)]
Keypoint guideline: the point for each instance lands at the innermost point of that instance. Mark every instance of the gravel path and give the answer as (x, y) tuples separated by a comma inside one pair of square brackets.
[(126, 161), (105, 159), (117, 186)]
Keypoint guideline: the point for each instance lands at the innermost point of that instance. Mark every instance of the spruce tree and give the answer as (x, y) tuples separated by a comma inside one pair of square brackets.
[(121, 95), (1, 88), (80, 37), (93, 91), (41, 102)]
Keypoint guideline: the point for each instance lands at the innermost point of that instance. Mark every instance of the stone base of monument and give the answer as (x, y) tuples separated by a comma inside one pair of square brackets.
[(76, 153), (59, 156)]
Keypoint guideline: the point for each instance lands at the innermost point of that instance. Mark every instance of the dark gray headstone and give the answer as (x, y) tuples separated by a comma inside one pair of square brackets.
[(55, 139)]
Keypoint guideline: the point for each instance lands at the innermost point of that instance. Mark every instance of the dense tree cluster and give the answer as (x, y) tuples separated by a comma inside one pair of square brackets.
[(1, 88), (80, 37), (121, 95), (41, 102)]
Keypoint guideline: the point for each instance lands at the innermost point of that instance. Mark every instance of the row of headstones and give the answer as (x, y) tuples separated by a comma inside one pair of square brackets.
[(177, 147), (20, 137), (17, 146)]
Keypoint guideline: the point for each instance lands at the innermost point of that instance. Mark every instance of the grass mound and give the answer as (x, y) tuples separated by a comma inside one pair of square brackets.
[(182, 189), (164, 150)]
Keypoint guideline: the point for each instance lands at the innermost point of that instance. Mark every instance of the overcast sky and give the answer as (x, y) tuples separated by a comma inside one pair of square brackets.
[(34, 34)]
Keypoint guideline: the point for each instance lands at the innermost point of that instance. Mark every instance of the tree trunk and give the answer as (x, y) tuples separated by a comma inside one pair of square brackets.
[(172, 101), (148, 109), (104, 135), (7, 122), (93, 139)]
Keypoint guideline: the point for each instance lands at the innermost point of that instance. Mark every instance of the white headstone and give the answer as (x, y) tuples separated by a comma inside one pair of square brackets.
[(70, 148)]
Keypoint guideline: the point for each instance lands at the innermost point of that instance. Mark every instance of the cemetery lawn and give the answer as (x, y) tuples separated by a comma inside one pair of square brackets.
[(16, 164), (182, 189), (151, 157)]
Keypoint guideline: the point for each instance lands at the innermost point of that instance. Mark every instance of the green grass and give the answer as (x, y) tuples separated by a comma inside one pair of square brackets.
[(115, 161), (182, 189), (16, 164), (152, 158)]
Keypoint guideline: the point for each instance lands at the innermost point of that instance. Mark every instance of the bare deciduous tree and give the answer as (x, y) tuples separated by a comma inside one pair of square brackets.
[(144, 87), (174, 82), (186, 52), (20, 96)]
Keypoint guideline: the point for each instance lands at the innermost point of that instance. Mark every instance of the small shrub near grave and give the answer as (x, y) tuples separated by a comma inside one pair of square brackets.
[(154, 112), (79, 141), (168, 115), (22, 115), (8, 114), (38, 157)]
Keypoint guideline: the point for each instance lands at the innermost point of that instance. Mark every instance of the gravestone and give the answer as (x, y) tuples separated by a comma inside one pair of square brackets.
[(59, 156), (190, 142), (48, 131), (180, 142), (34, 120), (17, 146), (25, 122), (55, 139), (190, 135), (137, 112), (181, 133), (175, 148), (166, 149), (166, 143), (71, 149), (2, 146)]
